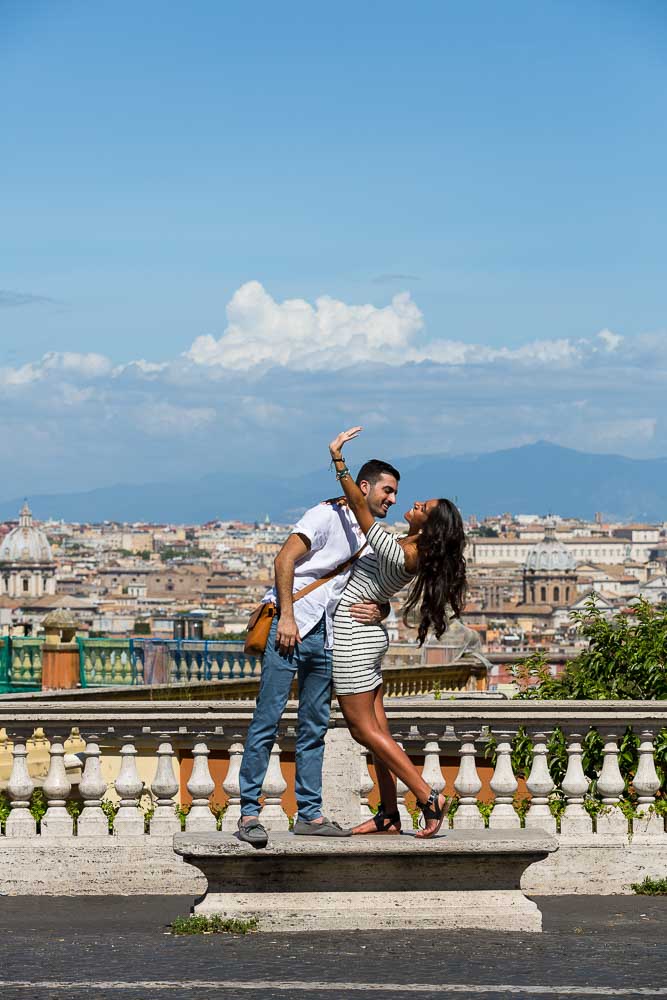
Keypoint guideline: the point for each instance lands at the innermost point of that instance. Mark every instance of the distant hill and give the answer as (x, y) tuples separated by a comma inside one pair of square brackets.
[(537, 478), (542, 478)]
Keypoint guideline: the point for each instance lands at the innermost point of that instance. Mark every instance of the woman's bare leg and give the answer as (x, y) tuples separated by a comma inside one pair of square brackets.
[(359, 713), (386, 780)]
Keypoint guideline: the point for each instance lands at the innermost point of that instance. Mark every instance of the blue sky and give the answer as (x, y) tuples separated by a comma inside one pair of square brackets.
[(465, 201)]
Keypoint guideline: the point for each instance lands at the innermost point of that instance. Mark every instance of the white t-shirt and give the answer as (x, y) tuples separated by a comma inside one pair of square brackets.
[(334, 537)]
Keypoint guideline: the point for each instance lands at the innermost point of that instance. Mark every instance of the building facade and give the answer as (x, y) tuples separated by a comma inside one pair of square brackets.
[(27, 566)]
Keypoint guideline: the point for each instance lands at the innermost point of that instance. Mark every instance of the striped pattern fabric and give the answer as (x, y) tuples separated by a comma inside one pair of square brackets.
[(359, 649)]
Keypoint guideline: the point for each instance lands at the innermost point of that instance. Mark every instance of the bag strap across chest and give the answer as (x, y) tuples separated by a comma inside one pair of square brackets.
[(329, 576)]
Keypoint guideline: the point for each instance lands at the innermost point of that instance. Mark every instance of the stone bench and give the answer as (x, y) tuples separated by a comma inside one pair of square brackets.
[(459, 879)]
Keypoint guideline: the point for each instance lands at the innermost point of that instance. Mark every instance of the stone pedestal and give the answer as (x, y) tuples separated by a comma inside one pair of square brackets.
[(60, 666), (341, 778), (460, 879)]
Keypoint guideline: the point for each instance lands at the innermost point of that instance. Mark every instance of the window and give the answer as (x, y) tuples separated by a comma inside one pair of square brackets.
[(543, 594), (556, 593), (26, 586)]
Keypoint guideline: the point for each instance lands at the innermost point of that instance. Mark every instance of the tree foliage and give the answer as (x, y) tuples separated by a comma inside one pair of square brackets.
[(484, 531), (626, 658)]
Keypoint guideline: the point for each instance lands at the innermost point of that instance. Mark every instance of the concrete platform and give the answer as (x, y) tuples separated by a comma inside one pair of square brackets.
[(459, 879)]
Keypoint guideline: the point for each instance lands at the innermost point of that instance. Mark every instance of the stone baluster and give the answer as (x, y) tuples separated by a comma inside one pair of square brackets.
[(56, 821), (575, 822), (540, 784), (401, 791), (129, 821), (366, 785), (232, 787), (274, 785), (164, 821), (201, 786), (92, 821), (503, 784), (431, 771), (468, 784), (20, 822), (611, 822), (647, 783)]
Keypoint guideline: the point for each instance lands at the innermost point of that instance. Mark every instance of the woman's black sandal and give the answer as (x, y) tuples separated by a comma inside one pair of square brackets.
[(431, 810), (383, 820)]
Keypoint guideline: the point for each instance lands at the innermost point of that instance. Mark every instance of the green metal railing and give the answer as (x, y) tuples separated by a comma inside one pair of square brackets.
[(110, 662), (191, 661), (20, 664), (26, 664), (106, 662), (4, 665), (127, 662)]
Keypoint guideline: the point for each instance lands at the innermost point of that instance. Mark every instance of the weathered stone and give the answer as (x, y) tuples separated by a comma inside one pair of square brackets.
[(309, 883), (341, 778), (87, 867)]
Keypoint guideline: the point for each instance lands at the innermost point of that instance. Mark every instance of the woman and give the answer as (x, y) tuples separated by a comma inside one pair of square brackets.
[(431, 558)]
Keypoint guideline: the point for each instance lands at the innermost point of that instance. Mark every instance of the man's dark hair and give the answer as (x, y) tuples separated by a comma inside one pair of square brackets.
[(371, 471)]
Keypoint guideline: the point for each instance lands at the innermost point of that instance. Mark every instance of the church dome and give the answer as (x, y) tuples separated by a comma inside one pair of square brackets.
[(550, 555), (25, 544)]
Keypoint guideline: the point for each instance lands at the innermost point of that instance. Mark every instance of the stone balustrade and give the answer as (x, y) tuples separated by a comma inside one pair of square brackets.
[(21, 664), (107, 662), (148, 757), (218, 665)]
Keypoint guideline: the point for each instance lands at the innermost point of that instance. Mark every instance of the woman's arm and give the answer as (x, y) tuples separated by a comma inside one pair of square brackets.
[(355, 497)]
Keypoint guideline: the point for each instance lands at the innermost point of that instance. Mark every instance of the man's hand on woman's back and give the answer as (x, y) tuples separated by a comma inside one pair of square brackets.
[(368, 613)]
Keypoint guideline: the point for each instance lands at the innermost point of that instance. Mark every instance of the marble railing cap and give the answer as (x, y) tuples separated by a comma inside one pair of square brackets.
[(404, 712), (456, 842)]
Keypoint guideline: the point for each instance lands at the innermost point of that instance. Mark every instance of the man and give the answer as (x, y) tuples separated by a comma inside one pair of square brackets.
[(301, 642)]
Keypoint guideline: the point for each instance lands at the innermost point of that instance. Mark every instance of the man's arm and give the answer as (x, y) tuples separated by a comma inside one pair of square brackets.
[(355, 498), (294, 549)]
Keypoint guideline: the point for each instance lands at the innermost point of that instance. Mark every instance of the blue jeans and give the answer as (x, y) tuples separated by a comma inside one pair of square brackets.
[(312, 662)]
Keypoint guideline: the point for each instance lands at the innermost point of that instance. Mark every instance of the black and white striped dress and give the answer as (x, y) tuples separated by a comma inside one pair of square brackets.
[(359, 649)]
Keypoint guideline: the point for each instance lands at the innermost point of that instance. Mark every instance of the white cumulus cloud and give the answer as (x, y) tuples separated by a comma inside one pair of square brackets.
[(610, 340), (296, 334), (332, 335), (85, 366)]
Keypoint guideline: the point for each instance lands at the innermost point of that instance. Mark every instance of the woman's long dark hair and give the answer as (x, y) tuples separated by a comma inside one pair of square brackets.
[(441, 577)]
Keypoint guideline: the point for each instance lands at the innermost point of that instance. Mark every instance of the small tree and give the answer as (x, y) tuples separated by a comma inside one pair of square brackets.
[(626, 658)]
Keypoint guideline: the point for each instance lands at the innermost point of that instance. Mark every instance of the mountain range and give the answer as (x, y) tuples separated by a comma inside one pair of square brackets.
[(538, 478)]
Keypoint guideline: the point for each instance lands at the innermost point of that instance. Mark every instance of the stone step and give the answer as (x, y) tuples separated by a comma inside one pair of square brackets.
[(459, 879)]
